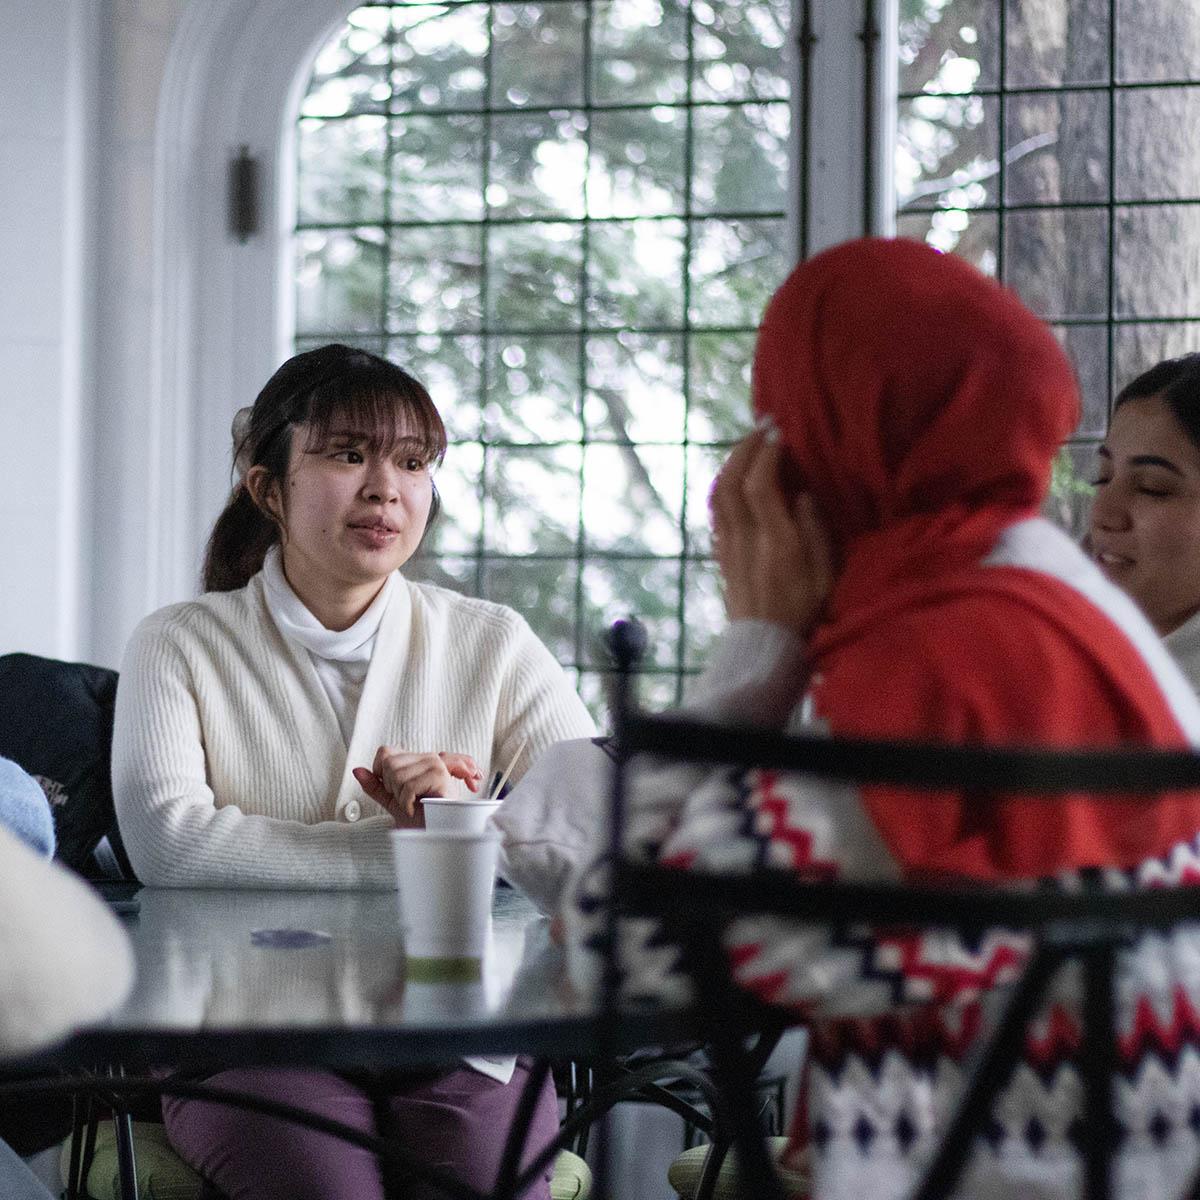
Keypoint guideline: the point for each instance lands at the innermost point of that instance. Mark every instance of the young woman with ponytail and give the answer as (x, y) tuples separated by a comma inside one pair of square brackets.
[(272, 732)]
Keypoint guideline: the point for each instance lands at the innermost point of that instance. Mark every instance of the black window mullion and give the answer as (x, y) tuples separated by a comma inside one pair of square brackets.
[(584, 332), (388, 155), (485, 276), (1055, 89), (689, 150), (596, 106), (1110, 331), (1002, 139)]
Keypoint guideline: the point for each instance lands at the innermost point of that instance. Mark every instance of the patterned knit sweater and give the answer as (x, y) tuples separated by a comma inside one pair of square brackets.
[(228, 764), (895, 1014)]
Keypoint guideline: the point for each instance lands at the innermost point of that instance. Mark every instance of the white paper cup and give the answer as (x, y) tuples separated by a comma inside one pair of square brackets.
[(445, 891), (445, 814), (440, 1002)]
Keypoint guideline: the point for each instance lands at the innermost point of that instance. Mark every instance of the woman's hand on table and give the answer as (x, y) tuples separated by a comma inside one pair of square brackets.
[(398, 779), (773, 552)]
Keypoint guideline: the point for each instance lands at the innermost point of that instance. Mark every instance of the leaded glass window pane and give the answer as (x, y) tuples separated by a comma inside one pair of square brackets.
[(1051, 143), (565, 217)]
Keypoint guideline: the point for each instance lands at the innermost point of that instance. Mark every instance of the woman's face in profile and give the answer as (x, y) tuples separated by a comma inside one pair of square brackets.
[(1144, 531)]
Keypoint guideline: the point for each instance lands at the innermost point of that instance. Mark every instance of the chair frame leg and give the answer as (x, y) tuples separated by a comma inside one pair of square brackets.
[(735, 1070), (85, 1120), (79, 1106), (126, 1160), (510, 1163), (1100, 1063), (992, 1070)]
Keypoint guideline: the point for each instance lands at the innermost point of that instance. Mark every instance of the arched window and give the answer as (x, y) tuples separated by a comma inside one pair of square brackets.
[(565, 217)]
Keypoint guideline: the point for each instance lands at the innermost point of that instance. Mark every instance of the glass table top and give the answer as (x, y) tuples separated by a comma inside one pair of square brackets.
[(300, 976)]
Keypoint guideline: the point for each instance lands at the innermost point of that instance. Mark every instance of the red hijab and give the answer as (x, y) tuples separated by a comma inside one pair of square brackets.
[(922, 405)]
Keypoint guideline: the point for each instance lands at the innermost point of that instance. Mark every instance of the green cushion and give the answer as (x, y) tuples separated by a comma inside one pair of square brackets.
[(684, 1174), (163, 1175), (572, 1178)]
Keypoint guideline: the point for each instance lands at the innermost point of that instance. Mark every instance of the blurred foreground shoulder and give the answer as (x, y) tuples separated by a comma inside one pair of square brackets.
[(66, 959)]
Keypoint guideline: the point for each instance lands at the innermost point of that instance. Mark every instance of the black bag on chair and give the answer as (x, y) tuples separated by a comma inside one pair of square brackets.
[(56, 722)]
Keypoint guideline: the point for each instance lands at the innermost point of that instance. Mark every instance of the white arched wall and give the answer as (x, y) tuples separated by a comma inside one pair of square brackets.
[(48, 78), (190, 320)]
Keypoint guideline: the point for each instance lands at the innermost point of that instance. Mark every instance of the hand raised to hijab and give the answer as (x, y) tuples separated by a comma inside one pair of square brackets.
[(774, 553)]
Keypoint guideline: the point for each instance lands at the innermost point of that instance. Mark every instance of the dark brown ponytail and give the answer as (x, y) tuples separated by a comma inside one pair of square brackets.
[(238, 543), (314, 389)]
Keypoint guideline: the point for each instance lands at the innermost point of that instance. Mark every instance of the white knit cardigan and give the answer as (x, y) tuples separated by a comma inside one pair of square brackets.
[(228, 764)]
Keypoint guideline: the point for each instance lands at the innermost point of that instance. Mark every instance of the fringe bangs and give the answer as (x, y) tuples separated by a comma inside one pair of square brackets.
[(381, 402)]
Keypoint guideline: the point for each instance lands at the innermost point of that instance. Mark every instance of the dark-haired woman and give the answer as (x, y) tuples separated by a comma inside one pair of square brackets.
[(887, 576), (1144, 531), (273, 731)]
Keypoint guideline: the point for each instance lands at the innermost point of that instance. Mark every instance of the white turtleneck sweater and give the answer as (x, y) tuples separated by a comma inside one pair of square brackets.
[(339, 656), (233, 743)]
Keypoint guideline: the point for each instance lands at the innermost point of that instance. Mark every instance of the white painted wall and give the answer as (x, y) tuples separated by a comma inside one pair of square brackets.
[(79, 83), (124, 500), (131, 324), (46, 61), (193, 321)]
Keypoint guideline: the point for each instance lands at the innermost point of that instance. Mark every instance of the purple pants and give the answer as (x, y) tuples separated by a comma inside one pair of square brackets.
[(458, 1120)]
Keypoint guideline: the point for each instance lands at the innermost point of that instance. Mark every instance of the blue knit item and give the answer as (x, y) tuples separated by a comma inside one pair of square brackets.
[(24, 809)]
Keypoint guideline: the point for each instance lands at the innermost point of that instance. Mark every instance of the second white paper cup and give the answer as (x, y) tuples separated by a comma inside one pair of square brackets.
[(445, 890), (465, 816)]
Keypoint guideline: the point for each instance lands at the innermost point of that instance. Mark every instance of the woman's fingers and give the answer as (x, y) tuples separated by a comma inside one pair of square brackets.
[(462, 766), (773, 551), (372, 785), (763, 491), (734, 526), (405, 778), (405, 818), (727, 499), (377, 762), (418, 775)]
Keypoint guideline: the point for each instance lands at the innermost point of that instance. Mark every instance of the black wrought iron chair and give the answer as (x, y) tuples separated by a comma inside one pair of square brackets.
[(1089, 926)]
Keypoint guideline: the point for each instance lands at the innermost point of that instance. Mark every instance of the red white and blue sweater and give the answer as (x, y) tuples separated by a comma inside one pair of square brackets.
[(894, 1015)]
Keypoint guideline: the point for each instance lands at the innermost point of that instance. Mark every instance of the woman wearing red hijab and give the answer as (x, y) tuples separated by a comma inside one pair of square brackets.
[(887, 575)]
